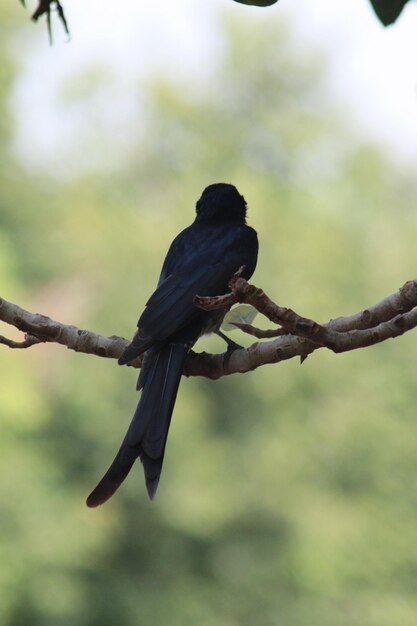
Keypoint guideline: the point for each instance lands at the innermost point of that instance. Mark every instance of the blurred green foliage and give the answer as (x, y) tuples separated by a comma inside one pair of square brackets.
[(288, 495)]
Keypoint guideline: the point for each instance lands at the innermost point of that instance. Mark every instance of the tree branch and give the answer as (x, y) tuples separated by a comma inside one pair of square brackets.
[(47, 330), (391, 317)]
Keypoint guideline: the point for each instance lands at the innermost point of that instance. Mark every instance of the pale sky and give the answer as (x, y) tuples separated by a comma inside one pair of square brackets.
[(373, 70)]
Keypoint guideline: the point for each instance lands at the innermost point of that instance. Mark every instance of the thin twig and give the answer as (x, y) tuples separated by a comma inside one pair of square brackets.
[(259, 333), (30, 340)]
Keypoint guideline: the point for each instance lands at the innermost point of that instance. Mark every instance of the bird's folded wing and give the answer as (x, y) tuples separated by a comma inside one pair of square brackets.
[(172, 304)]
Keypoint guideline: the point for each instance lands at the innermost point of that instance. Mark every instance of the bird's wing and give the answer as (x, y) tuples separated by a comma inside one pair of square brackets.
[(204, 268), (171, 306)]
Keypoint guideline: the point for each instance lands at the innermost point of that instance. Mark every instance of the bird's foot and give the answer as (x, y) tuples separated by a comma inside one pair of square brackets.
[(231, 345)]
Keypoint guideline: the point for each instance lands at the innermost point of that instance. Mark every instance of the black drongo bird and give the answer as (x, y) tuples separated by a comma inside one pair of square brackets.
[(201, 261)]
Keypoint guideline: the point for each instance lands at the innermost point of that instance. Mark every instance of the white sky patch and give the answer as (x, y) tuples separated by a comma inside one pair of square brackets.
[(373, 70)]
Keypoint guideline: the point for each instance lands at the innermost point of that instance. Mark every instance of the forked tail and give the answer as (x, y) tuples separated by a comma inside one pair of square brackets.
[(147, 434)]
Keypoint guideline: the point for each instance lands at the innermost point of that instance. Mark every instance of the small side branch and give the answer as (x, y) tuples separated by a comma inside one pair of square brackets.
[(259, 333), (29, 340)]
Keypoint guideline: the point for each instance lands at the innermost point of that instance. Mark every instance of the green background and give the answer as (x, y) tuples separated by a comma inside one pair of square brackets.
[(288, 495)]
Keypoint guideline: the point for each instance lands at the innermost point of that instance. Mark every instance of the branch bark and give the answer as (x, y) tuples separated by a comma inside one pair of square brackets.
[(298, 336)]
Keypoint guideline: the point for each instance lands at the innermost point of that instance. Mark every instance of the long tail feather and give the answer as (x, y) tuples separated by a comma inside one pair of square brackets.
[(112, 479), (148, 430)]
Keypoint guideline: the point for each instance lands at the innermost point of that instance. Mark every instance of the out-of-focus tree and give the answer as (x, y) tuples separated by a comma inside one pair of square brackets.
[(287, 495)]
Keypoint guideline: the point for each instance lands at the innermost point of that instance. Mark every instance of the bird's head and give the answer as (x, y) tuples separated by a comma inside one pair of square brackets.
[(221, 201)]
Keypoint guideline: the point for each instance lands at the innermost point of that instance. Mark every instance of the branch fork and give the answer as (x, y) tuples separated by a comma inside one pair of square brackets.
[(294, 335), (390, 318)]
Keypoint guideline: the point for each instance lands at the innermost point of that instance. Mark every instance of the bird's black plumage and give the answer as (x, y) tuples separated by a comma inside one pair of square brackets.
[(200, 261)]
